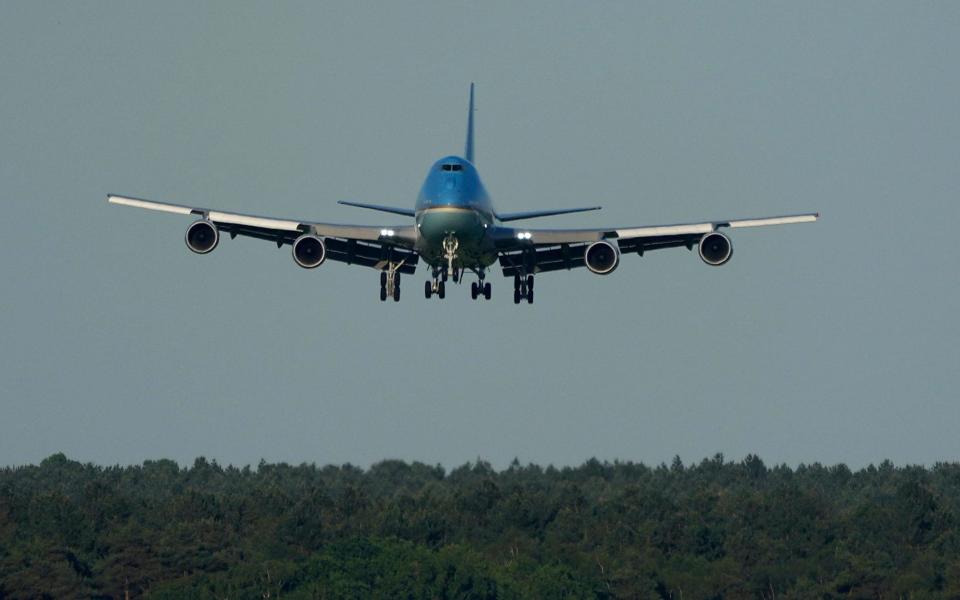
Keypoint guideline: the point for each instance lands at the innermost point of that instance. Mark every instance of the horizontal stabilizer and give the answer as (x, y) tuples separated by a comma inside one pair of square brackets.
[(542, 213), (388, 209)]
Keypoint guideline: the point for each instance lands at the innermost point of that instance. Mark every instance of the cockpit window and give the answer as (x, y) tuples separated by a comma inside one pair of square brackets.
[(452, 167)]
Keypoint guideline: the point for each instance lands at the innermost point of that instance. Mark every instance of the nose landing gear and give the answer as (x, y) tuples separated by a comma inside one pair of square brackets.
[(450, 246)]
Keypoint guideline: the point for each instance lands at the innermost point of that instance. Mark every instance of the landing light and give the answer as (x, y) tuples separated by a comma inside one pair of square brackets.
[(524, 235), (387, 232)]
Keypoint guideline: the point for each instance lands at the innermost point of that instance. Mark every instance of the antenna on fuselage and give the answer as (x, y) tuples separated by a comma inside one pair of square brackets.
[(468, 151)]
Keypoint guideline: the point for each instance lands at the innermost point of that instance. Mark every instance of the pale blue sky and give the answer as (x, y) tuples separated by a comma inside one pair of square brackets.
[(832, 342)]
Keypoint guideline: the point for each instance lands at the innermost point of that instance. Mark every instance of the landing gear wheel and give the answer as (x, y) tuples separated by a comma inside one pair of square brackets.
[(441, 290), (530, 282), (383, 293), (516, 296), (530, 296), (396, 291), (427, 290), (516, 281), (456, 275), (383, 278), (486, 290), (473, 290)]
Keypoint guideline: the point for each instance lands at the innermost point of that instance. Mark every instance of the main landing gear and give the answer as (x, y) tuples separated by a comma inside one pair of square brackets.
[(522, 288), (390, 284), (479, 288), (437, 285)]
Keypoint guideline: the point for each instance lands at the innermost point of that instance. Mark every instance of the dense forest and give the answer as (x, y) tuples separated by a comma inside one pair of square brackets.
[(716, 529)]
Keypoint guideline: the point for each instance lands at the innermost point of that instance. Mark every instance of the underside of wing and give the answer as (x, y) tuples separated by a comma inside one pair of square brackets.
[(372, 246), (527, 251)]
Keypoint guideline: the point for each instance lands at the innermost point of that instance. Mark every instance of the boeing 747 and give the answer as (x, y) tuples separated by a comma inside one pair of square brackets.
[(457, 231)]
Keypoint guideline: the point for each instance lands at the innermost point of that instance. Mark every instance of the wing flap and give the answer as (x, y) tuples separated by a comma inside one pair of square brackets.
[(541, 260), (353, 252)]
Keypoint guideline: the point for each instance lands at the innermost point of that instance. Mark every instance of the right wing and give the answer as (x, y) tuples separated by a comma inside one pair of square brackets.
[(368, 245)]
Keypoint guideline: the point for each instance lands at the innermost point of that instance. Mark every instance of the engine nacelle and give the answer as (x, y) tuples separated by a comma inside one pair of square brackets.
[(309, 251), (202, 236), (715, 249), (602, 257)]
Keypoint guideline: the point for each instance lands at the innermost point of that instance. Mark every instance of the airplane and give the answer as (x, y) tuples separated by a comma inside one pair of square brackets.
[(457, 231)]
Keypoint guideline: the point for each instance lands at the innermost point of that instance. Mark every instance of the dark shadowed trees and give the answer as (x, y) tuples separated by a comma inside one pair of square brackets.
[(714, 529)]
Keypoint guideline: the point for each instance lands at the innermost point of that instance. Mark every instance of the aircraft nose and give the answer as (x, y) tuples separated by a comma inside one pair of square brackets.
[(437, 223)]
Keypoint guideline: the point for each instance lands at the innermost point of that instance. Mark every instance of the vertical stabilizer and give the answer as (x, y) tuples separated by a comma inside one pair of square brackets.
[(468, 151)]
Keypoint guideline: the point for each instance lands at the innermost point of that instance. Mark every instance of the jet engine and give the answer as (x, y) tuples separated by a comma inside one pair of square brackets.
[(309, 251), (602, 257), (715, 249), (202, 236)]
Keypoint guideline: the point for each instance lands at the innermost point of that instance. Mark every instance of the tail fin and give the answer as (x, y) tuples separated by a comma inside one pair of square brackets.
[(468, 151)]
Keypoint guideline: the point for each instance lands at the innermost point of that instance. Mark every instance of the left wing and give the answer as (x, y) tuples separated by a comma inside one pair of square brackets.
[(536, 250), (352, 244)]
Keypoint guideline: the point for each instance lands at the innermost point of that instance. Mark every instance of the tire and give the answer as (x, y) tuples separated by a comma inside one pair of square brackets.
[(383, 278), (516, 281), (427, 290), (530, 296), (487, 288), (530, 282), (383, 293), (442, 290), (473, 290), (516, 296), (396, 291)]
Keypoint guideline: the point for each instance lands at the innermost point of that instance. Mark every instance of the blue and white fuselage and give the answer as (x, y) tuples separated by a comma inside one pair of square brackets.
[(454, 206)]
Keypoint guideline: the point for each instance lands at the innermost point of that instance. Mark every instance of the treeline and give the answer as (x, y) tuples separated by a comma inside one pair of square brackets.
[(712, 530)]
